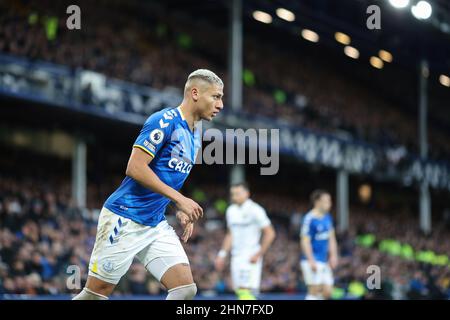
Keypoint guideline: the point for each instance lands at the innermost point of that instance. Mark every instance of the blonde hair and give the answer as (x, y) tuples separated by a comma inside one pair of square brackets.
[(205, 75)]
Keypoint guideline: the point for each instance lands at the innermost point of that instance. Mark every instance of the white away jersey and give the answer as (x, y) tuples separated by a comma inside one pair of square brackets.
[(245, 223)]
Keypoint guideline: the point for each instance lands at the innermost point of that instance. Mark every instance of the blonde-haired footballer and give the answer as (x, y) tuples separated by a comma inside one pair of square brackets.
[(132, 222), (246, 220)]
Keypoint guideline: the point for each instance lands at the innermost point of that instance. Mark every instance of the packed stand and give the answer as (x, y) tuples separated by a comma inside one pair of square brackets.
[(132, 43), (42, 233)]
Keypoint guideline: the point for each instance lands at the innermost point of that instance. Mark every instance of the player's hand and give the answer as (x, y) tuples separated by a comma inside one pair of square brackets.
[(191, 208), (182, 218), (255, 257), (333, 262), (219, 263), (187, 233), (186, 224), (313, 265)]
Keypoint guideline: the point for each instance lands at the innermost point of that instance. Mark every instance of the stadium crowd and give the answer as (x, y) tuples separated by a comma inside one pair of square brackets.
[(133, 42), (42, 233)]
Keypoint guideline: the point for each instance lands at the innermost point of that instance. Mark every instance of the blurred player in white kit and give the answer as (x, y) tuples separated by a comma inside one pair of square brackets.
[(246, 221)]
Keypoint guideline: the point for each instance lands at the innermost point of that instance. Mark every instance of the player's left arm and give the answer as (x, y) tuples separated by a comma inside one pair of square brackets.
[(333, 259), (268, 234)]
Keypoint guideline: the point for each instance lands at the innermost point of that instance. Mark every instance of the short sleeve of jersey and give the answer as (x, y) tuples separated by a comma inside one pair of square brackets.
[(306, 230), (154, 134), (330, 217), (227, 217), (261, 218)]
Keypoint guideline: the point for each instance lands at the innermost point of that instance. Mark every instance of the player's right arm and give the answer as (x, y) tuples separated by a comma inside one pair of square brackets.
[(139, 170), (226, 245), (224, 251), (155, 133), (305, 244)]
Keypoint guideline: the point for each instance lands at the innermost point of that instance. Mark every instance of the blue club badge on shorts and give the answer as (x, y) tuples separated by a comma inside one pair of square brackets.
[(108, 266)]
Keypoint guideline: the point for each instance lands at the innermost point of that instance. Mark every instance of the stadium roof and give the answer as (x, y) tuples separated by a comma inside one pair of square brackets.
[(407, 38)]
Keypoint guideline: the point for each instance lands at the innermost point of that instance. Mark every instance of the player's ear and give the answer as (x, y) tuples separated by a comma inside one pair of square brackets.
[(194, 93)]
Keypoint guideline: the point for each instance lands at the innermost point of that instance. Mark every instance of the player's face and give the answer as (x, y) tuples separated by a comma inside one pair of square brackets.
[(324, 203), (210, 101), (239, 194)]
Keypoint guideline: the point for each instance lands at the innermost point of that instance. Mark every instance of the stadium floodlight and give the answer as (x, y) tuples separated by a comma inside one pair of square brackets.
[(385, 55), (310, 35), (262, 16), (444, 80), (351, 52), (445, 27), (285, 14), (399, 4), (376, 62), (422, 10), (342, 38)]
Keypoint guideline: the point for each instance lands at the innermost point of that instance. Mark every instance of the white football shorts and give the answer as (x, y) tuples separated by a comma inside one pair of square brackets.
[(322, 276), (120, 239), (245, 274)]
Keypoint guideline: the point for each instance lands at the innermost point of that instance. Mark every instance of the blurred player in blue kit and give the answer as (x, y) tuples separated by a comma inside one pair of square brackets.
[(319, 247)]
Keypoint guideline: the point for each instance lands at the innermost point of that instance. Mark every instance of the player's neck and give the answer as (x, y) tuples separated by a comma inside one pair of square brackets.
[(318, 213), (240, 204), (188, 115)]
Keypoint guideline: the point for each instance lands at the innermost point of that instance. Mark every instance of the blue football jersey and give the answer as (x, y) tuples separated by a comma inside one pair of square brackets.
[(318, 229), (165, 136)]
